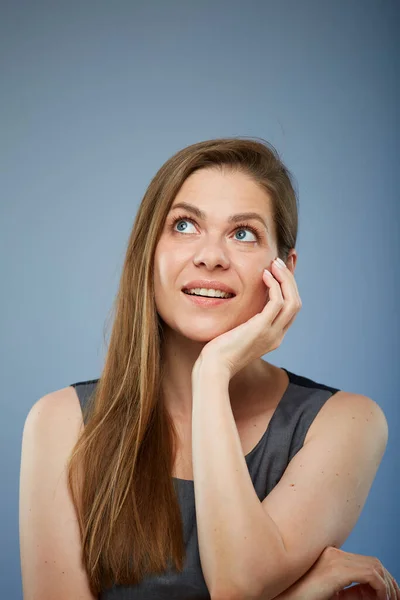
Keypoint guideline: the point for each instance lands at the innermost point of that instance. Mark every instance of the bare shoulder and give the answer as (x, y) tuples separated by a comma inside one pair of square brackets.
[(50, 545), (60, 405), (349, 411)]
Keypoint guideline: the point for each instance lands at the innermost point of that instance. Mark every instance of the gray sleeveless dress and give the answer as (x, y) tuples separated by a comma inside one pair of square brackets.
[(267, 462)]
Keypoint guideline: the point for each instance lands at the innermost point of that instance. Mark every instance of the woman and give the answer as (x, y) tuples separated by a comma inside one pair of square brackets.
[(201, 469)]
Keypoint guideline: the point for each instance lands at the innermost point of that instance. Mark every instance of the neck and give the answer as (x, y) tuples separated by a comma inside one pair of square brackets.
[(179, 356)]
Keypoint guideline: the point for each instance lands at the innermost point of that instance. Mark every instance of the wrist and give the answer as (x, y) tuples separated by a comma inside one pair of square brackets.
[(207, 366)]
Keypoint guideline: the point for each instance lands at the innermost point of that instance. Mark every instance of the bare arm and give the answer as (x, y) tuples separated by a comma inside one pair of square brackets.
[(316, 503), (50, 546)]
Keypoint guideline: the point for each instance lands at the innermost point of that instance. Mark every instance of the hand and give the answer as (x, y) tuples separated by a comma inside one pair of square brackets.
[(262, 333), (345, 568), (336, 569)]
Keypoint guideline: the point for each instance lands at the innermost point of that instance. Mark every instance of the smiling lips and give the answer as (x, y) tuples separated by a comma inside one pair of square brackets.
[(203, 293), (208, 284), (207, 301)]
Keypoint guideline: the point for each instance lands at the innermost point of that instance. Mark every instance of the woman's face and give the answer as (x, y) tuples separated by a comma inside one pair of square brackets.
[(214, 247)]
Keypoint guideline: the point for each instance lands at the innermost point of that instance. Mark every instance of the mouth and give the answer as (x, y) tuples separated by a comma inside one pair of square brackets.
[(206, 300), (229, 295)]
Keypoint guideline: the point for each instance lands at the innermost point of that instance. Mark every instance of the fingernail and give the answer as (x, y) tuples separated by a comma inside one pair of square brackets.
[(279, 263), (268, 272)]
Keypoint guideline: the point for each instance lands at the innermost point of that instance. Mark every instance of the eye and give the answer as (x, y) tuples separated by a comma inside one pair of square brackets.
[(241, 227), (181, 219), (247, 228)]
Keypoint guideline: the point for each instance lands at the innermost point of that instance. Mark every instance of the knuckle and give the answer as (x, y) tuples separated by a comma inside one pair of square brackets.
[(373, 572), (378, 567)]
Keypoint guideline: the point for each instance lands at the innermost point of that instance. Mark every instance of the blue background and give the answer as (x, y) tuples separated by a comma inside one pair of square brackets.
[(96, 96)]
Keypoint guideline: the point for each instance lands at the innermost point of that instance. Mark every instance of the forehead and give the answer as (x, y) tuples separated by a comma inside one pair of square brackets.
[(231, 196), (232, 186)]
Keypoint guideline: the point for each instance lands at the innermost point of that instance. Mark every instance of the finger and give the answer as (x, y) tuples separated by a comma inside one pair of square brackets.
[(381, 581), (276, 300), (392, 586), (289, 324), (360, 591), (371, 585), (282, 274), (292, 302), (291, 278), (369, 573), (290, 291), (396, 587), (379, 584), (391, 592), (366, 592)]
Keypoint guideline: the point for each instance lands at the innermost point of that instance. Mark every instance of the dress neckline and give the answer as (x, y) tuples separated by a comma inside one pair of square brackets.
[(247, 456)]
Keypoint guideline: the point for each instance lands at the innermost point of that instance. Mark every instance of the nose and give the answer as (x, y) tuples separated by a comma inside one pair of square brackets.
[(211, 255)]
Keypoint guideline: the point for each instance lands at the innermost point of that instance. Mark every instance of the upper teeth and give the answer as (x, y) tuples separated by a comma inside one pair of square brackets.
[(207, 292)]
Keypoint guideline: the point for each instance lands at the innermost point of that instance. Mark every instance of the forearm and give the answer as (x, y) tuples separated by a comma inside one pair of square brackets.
[(240, 545), (301, 589), (318, 583)]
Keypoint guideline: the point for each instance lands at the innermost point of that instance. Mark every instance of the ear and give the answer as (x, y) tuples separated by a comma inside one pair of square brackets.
[(292, 260)]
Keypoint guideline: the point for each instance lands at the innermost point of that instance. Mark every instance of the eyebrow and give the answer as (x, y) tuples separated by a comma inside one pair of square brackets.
[(232, 218)]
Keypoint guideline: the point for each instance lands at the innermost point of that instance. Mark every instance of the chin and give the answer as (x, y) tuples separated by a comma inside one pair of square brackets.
[(203, 335)]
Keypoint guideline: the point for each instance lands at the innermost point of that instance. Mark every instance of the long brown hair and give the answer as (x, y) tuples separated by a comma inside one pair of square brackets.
[(119, 473)]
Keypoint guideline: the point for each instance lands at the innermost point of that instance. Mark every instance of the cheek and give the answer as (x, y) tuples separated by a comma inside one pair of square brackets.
[(164, 270), (260, 291)]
